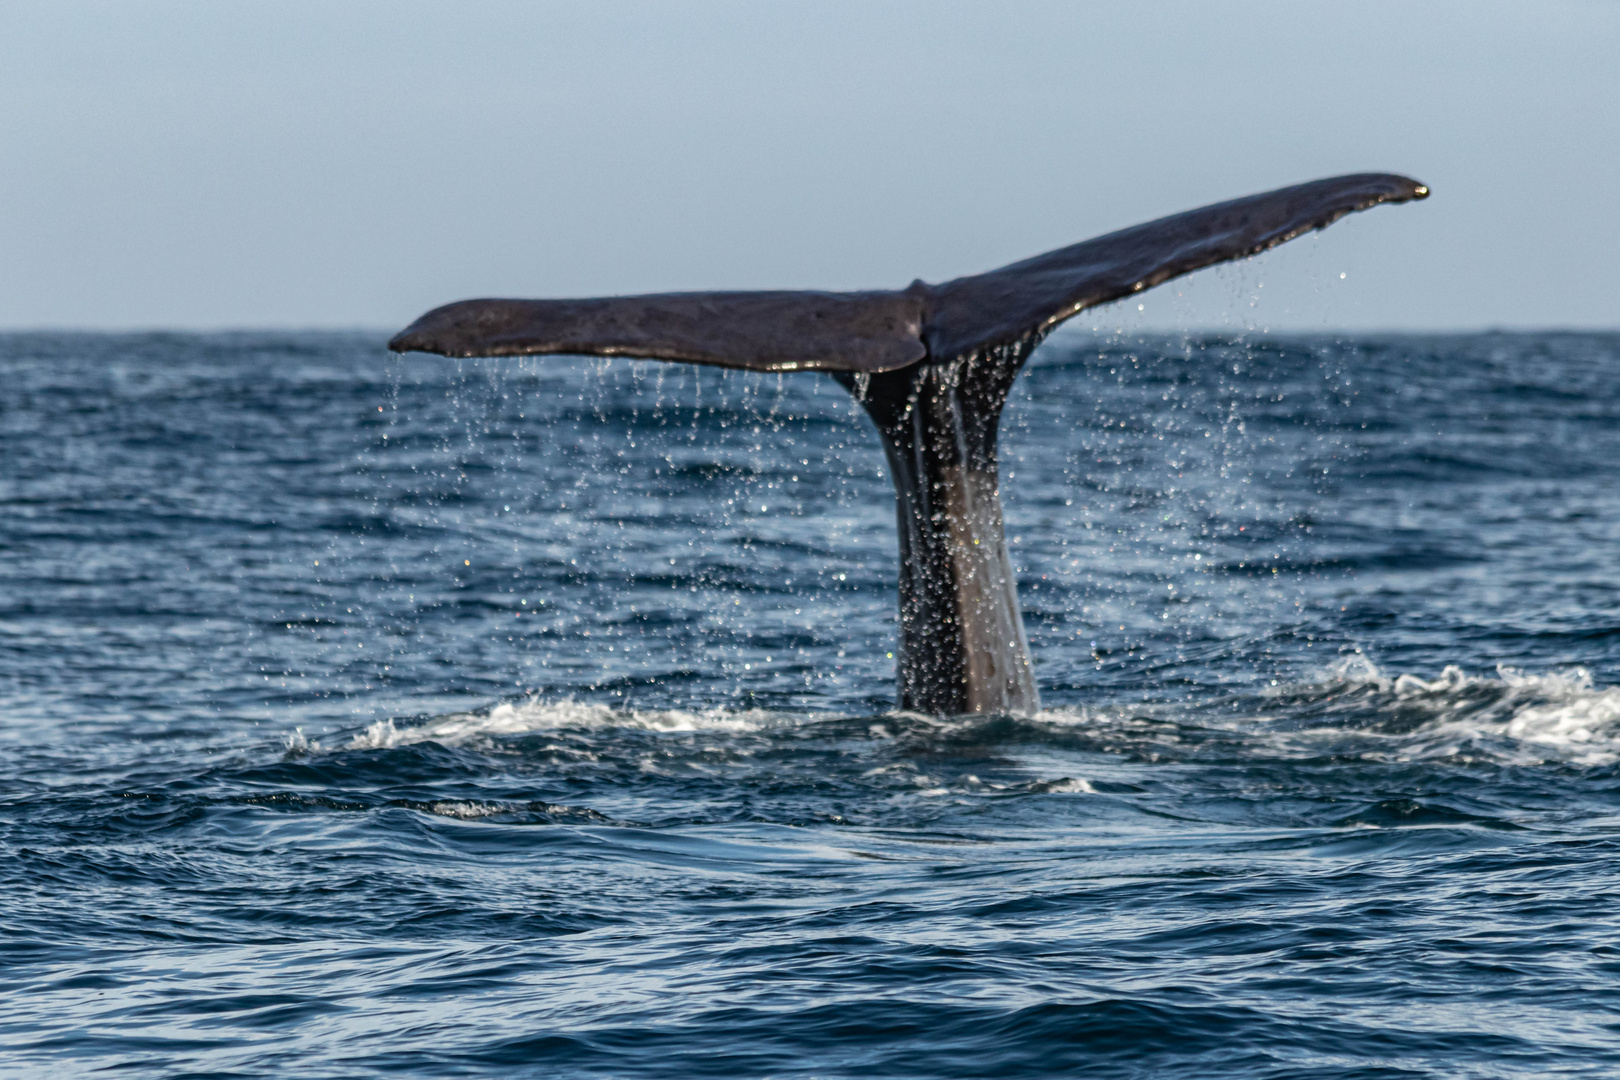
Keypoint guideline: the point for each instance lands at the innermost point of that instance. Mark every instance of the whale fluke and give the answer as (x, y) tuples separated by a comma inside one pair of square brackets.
[(1036, 295), (885, 330), (932, 365), (760, 331)]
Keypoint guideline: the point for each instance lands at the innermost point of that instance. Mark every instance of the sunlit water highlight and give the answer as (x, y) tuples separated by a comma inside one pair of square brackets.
[(363, 715)]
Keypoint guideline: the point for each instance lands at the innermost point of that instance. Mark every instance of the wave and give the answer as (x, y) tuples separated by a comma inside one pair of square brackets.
[(1511, 717)]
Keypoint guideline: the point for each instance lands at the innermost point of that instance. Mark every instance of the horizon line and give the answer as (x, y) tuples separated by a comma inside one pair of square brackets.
[(1067, 331)]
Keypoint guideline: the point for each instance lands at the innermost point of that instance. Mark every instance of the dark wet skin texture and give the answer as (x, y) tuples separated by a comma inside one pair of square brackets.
[(932, 365)]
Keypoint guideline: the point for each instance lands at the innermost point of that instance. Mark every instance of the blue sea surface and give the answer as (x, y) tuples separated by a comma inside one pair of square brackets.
[(370, 716)]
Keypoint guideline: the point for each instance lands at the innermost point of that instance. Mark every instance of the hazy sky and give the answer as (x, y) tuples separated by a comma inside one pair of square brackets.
[(269, 164)]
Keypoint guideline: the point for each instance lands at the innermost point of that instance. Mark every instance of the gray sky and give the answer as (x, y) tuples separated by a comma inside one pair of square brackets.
[(269, 164)]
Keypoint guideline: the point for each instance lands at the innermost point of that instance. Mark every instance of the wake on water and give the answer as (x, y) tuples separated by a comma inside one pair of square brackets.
[(1511, 718)]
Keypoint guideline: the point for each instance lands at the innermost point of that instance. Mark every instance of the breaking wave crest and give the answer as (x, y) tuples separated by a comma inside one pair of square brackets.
[(1512, 717)]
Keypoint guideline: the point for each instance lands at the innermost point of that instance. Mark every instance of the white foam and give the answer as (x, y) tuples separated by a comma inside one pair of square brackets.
[(1516, 717), (537, 715), (466, 811), (1510, 716), (1069, 785), (299, 743)]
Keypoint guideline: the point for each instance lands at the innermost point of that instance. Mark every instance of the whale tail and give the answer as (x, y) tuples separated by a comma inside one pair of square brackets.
[(886, 330), (932, 364)]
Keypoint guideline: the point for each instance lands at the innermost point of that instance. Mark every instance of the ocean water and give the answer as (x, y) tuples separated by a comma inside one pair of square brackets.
[(376, 716)]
